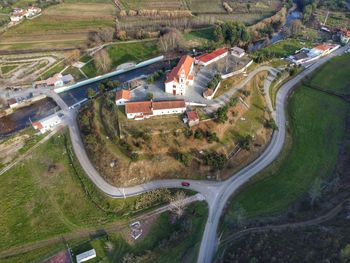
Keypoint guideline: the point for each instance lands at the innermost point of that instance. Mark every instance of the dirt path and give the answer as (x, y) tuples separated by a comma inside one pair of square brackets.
[(93, 231), (318, 220)]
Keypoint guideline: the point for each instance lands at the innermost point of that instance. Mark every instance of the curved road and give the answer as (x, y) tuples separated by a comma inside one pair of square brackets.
[(215, 193)]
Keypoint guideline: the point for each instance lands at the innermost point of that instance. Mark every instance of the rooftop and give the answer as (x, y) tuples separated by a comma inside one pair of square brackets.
[(184, 64), (192, 115), (208, 57), (147, 107), (122, 94)]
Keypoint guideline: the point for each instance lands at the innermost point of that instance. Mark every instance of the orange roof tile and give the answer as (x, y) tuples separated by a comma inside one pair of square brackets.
[(144, 107), (208, 57), (323, 47), (168, 104), (184, 64), (122, 94), (192, 115)]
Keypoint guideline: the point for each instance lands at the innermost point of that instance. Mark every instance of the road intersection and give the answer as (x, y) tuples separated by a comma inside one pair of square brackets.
[(215, 193)]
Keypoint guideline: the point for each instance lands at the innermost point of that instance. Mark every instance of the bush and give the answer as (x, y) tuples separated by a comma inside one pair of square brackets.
[(245, 141), (199, 134), (212, 137), (215, 160), (221, 114), (184, 158)]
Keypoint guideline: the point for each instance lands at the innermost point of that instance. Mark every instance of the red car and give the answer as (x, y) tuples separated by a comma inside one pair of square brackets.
[(185, 184)]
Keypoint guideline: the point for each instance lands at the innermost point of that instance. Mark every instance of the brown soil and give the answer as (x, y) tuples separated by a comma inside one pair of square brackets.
[(9, 149)]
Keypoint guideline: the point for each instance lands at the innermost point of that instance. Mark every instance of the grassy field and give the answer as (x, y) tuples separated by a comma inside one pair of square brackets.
[(334, 76), (154, 4), (78, 19), (282, 48), (318, 124), (120, 53), (47, 196)]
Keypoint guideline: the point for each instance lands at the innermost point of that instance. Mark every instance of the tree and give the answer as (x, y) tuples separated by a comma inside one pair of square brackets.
[(149, 96), (101, 88), (199, 134), (102, 61), (245, 141), (178, 203), (248, 7), (221, 114), (295, 28), (216, 160), (90, 93), (171, 40), (315, 191)]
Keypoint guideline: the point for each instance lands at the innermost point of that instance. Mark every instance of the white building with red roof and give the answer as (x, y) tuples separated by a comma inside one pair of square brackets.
[(139, 110), (122, 96), (181, 77), (47, 124), (208, 58)]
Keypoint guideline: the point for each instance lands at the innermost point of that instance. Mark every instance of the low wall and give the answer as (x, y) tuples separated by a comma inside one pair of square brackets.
[(109, 75)]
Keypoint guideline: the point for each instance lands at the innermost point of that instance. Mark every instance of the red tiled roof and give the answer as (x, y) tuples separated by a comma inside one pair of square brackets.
[(345, 32), (185, 64), (147, 107), (168, 104), (192, 115), (37, 125), (61, 257), (323, 47), (144, 107), (208, 57), (122, 94)]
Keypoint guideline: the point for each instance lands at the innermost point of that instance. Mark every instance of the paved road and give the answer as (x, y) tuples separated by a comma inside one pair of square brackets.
[(215, 193)]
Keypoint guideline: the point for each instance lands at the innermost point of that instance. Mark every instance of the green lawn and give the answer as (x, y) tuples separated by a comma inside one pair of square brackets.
[(125, 52), (200, 34), (318, 124), (282, 48), (136, 52), (334, 76)]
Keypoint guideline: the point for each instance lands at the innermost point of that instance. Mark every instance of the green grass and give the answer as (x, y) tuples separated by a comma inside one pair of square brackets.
[(334, 76), (37, 204), (127, 52), (58, 67), (200, 34), (318, 124), (75, 72), (8, 68), (283, 48), (190, 229)]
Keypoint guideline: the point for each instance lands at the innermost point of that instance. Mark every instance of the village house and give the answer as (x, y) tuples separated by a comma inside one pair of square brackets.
[(206, 59), (17, 15), (139, 110), (47, 124), (181, 77), (122, 96), (191, 118), (307, 55), (32, 11), (58, 80), (237, 52), (344, 36)]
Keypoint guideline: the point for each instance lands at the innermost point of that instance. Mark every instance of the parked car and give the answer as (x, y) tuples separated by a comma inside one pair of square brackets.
[(187, 184)]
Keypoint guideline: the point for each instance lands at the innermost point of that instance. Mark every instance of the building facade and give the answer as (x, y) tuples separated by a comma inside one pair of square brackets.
[(181, 77)]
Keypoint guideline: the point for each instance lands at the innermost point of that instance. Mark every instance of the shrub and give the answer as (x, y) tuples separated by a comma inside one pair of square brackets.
[(184, 158), (215, 160), (199, 133)]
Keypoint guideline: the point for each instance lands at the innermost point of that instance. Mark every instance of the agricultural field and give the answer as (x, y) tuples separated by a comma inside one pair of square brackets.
[(335, 19), (312, 152), (48, 31), (154, 4)]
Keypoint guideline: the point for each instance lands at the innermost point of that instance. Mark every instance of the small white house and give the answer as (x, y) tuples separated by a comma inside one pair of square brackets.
[(237, 52), (122, 96), (47, 124), (90, 254)]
